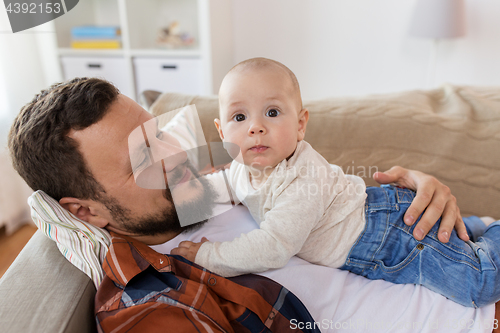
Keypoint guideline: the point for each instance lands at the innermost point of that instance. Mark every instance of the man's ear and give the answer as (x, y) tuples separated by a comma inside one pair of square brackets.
[(86, 210), (303, 119), (219, 128)]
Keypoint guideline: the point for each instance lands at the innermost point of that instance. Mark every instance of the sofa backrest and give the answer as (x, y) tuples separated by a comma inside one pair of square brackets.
[(452, 133)]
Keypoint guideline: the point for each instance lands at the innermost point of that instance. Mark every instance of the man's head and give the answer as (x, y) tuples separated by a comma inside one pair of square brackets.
[(43, 153), (71, 141), (261, 112)]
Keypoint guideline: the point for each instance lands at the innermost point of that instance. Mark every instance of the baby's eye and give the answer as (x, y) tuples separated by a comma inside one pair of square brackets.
[(240, 117), (272, 113)]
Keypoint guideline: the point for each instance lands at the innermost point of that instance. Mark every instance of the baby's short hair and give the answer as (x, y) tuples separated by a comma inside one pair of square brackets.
[(262, 63)]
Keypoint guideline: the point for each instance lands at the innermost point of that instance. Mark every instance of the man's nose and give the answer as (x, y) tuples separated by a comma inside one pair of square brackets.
[(257, 127), (169, 151)]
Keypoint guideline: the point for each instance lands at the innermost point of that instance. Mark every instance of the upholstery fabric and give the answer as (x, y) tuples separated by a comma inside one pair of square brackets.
[(42, 292)]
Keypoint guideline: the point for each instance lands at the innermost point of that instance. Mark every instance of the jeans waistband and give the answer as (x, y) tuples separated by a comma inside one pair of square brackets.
[(387, 197)]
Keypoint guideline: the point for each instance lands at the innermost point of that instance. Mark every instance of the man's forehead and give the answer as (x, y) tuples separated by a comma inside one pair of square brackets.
[(126, 108), (122, 117)]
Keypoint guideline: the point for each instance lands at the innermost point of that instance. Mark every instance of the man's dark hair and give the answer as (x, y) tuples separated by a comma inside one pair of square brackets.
[(40, 148)]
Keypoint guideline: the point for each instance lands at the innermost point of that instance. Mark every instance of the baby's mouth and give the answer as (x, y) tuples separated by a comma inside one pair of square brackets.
[(259, 148)]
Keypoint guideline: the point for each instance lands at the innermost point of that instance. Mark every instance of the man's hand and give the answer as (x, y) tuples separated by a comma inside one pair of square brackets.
[(433, 197), (188, 249)]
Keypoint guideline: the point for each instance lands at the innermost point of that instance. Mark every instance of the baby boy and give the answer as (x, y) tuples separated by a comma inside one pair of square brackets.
[(306, 207)]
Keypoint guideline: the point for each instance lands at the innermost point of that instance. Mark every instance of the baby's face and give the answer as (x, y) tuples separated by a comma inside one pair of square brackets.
[(261, 113)]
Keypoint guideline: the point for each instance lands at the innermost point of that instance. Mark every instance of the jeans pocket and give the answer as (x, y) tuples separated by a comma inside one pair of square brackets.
[(393, 264), (485, 261)]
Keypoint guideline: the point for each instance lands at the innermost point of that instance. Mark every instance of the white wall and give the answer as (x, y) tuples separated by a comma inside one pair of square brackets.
[(221, 40), (356, 47), (28, 64)]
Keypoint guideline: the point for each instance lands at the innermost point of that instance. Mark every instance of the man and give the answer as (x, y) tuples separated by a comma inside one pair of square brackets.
[(71, 141)]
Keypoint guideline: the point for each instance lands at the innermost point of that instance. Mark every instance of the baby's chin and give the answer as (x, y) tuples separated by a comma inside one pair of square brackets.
[(262, 166)]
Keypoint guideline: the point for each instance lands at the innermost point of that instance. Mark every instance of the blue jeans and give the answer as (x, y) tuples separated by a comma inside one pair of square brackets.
[(465, 272)]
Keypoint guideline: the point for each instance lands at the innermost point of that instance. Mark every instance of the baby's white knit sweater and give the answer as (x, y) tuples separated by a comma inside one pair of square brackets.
[(306, 207)]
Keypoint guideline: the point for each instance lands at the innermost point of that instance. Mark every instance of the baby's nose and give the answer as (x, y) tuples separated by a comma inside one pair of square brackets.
[(257, 128)]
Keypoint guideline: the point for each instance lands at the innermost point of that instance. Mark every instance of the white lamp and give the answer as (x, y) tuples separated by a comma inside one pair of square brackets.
[(437, 19)]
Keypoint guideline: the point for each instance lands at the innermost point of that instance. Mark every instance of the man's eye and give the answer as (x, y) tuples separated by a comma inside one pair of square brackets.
[(240, 117), (272, 113), (141, 161)]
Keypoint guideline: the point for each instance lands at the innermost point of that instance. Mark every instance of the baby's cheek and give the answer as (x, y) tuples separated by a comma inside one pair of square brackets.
[(239, 158), (232, 149)]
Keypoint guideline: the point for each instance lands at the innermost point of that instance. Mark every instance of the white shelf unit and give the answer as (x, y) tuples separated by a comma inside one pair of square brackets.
[(140, 64)]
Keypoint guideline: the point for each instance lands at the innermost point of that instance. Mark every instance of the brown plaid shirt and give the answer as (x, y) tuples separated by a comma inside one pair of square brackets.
[(146, 291)]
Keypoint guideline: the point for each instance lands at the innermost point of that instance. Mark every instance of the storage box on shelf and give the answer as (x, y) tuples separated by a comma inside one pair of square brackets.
[(183, 75), (110, 68)]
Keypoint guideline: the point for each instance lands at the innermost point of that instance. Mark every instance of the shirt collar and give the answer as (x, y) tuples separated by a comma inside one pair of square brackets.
[(128, 257)]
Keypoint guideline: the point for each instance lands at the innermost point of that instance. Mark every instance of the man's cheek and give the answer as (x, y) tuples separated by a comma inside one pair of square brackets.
[(151, 177)]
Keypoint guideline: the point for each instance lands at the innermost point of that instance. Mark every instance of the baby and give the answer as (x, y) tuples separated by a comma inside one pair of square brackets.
[(306, 207)]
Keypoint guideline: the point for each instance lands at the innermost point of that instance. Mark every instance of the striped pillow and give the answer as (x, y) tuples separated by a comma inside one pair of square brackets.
[(84, 245)]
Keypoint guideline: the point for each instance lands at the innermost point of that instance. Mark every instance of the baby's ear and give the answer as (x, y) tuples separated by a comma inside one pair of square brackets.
[(303, 119), (219, 128)]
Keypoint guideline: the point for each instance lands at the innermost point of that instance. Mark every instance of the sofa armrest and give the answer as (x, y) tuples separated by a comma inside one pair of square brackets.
[(43, 292)]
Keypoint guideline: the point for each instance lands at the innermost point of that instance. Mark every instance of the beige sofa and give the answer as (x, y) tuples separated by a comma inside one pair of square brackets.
[(451, 132)]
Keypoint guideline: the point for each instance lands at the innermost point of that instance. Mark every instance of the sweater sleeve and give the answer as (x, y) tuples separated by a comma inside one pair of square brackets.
[(281, 235)]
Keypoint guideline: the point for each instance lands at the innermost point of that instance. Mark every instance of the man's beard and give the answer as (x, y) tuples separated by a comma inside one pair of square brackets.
[(166, 221)]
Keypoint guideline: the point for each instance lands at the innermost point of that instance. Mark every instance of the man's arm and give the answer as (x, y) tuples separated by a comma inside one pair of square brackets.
[(432, 196)]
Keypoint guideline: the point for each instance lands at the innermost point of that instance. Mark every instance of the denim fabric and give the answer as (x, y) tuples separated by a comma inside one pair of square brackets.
[(475, 227), (465, 272)]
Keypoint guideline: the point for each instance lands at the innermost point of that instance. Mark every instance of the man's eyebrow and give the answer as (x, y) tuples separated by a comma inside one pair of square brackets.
[(136, 149), (158, 130), (157, 126)]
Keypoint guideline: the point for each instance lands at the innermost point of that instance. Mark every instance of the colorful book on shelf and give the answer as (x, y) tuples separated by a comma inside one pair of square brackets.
[(96, 44), (95, 32)]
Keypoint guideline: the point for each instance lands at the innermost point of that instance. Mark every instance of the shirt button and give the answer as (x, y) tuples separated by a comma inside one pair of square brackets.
[(212, 281)]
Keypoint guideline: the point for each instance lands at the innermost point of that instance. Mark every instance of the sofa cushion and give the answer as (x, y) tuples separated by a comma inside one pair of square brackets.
[(42, 292), (452, 133)]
